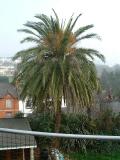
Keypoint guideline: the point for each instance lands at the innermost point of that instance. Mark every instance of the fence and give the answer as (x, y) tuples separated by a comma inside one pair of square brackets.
[(23, 145)]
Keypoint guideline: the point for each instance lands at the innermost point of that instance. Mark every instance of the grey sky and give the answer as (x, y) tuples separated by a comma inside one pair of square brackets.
[(104, 14)]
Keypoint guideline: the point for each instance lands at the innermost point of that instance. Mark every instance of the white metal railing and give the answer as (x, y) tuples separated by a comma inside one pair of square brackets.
[(60, 135)]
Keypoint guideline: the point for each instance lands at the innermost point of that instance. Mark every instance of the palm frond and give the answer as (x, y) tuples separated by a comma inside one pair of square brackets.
[(83, 29), (75, 22), (28, 31), (91, 53), (25, 52), (89, 36), (31, 39), (57, 18)]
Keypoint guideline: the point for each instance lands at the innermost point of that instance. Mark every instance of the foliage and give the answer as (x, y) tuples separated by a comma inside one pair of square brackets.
[(19, 115), (43, 122), (56, 67), (76, 124), (94, 156), (71, 123), (110, 81), (106, 124)]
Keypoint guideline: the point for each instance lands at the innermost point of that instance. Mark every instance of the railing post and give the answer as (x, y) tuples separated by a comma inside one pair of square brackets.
[(31, 154), (23, 154)]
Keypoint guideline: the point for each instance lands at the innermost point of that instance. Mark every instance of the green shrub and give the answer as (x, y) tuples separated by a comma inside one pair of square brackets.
[(19, 115), (42, 123), (105, 124)]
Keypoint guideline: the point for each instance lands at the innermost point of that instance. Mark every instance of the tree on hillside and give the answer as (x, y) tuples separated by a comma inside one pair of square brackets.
[(56, 67), (111, 81)]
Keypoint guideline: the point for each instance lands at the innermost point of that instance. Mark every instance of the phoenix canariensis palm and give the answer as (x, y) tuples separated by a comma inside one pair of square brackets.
[(57, 67)]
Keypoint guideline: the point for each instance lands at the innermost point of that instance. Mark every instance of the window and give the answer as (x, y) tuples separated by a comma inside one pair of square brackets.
[(8, 103), (8, 114)]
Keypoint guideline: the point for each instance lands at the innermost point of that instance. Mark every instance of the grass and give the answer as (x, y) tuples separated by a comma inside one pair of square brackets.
[(95, 156)]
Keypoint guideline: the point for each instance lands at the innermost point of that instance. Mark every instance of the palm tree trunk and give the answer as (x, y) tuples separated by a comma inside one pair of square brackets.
[(55, 143)]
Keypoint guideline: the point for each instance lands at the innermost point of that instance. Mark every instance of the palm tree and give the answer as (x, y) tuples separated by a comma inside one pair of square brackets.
[(57, 67)]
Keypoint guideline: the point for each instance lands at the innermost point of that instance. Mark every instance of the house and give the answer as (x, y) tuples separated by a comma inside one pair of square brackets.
[(9, 102), (16, 146)]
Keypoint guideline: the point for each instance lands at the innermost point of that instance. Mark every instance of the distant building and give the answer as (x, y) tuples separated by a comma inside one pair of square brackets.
[(9, 102), (7, 66)]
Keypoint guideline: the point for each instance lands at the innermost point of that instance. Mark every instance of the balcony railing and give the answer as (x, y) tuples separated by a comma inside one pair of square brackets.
[(23, 145)]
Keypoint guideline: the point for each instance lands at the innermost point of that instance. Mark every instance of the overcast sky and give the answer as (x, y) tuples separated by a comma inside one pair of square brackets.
[(104, 14)]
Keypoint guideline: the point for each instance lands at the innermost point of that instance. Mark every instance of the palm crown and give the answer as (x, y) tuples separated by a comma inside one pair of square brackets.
[(56, 67)]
